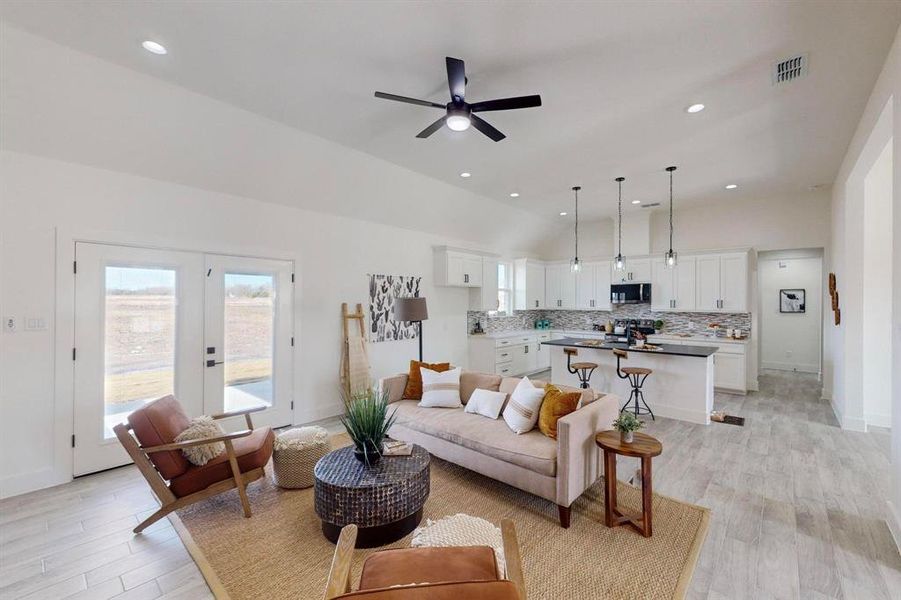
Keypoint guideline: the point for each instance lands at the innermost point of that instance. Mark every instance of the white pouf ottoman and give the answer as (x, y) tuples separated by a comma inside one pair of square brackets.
[(295, 453)]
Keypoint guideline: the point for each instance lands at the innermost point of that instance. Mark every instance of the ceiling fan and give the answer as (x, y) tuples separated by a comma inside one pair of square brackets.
[(460, 114)]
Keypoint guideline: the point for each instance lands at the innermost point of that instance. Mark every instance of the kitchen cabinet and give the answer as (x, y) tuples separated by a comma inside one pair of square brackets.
[(456, 268), (544, 352), (525, 358), (560, 286), (673, 289), (529, 284), (730, 371), (638, 270), (722, 282), (593, 286), (484, 298), (511, 355)]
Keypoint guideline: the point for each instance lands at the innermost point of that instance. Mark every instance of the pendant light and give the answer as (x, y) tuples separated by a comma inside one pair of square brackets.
[(576, 266), (619, 263), (670, 257)]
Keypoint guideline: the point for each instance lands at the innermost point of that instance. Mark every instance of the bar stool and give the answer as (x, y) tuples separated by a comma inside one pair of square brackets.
[(582, 369), (636, 376)]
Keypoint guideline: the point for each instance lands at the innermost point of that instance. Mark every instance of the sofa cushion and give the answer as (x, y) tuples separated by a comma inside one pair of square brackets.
[(482, 590), (157, 423), (556, 404), (508, 384), (253, 451), (470, 381), (406, 566), (413, 388), (533, 450)]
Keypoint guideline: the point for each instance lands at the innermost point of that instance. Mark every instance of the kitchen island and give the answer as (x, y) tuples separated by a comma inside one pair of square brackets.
[(680, 387)]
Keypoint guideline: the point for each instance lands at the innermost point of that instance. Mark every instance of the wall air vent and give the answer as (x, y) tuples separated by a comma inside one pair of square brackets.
[(651, 205), (790, 69)]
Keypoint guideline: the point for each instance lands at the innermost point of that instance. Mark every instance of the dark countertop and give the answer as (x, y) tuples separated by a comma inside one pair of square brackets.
[(671, 349)]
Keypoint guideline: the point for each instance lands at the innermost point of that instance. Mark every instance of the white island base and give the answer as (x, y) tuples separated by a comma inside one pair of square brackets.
[(680, 387)]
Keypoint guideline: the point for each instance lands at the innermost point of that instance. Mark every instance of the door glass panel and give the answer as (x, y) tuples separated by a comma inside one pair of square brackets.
[(139, 344), (249, 339)]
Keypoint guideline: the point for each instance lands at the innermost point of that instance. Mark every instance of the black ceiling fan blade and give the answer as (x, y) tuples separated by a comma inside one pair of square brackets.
[(506, 103), (397, 98), (456, 78), (431, 128), (483, 126)]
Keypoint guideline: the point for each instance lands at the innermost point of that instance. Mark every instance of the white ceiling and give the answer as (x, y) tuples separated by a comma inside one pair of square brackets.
[(615, 78)]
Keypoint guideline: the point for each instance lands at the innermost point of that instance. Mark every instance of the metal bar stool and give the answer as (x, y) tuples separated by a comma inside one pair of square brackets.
[(636, 376), (582, 369)]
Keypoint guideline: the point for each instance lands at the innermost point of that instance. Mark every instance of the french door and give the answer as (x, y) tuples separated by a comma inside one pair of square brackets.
[(214, 331)]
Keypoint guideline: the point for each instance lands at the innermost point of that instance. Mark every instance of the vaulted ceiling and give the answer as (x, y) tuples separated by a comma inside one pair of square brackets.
[(615, 79)]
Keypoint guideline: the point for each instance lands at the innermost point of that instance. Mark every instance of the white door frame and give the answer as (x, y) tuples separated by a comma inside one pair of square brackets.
[(64, 331)]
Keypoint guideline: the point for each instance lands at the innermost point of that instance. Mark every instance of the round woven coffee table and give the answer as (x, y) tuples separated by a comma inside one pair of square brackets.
[(384, 501)]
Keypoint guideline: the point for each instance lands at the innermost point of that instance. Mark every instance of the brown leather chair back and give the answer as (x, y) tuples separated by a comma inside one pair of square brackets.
[(158, 423)]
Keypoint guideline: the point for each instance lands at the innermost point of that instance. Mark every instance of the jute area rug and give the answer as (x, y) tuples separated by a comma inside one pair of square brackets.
[(280, 552)]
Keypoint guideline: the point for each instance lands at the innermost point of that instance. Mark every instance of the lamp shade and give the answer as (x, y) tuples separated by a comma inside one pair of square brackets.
[(410, 309)]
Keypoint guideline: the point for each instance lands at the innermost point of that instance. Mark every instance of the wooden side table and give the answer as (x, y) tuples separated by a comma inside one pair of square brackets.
[(644, 447)]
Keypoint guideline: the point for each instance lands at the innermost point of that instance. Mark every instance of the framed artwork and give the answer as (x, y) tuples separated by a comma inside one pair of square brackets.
[(383, 290), (792, 301)]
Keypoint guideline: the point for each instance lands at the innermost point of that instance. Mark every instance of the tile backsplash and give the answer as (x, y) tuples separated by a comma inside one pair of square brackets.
[(584, 319)]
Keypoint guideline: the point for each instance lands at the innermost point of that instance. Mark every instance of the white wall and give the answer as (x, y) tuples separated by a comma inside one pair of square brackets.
[(790, 341), (877, 290), (879, 124), (800, 221)]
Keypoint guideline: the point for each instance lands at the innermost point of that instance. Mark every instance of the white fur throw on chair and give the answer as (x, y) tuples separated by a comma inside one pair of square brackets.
[(462, 530), (201, 428)]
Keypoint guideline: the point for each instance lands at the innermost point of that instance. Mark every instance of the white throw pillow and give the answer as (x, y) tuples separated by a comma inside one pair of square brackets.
[(440, 390), (486, 403), (201, 428), (522, 410)]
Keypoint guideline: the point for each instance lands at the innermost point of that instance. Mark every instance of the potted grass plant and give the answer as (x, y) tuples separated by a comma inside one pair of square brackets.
[(367, 422), (627, 424)]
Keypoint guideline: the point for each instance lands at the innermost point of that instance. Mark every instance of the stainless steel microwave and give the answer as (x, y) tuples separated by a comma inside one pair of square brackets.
[(630, 293)]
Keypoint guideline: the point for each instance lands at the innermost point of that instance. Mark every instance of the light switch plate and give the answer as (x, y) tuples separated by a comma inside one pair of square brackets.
[(10, 324), (35, 323)]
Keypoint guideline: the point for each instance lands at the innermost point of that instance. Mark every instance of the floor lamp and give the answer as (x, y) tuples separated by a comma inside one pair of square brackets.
[(412, 310)]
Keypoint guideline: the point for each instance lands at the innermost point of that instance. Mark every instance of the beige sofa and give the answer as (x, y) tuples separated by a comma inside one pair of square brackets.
[(557, 470)]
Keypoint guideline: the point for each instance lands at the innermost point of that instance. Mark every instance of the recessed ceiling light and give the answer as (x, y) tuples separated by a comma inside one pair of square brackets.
[(465, 174), (731, 186), (636, 202), (695, 108), (155, 47), (563, 214), (514, 194)]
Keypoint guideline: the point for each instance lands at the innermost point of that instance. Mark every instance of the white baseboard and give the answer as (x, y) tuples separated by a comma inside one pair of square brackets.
[(672, 412), (878, 420), (849, 423), (17, 485), (801, 368), (893, 519)]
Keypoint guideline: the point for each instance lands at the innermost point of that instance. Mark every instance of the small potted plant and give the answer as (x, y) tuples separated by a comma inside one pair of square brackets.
[(367, 422), (627, 424), (658, 326)]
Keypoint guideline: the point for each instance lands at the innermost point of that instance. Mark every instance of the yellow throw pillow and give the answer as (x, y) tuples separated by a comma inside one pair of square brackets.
[(556, 404), (413, 390)]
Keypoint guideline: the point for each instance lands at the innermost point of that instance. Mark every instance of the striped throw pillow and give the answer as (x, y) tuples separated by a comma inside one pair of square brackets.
[(521, 412), (440, 390)]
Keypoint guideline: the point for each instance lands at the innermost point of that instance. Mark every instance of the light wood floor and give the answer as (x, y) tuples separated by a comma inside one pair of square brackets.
[(796, 513)]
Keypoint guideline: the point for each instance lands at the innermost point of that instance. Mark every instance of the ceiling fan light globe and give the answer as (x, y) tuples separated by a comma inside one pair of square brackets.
[(458, 123)]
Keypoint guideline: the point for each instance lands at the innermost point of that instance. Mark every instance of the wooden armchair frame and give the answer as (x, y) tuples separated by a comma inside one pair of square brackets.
[(141, 457), (339, 574)]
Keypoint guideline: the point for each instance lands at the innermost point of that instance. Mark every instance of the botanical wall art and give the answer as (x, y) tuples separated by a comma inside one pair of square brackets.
[(383, 290), (792, 301)]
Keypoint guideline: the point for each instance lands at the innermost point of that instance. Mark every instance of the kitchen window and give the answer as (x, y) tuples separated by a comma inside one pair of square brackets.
[(504, 288)]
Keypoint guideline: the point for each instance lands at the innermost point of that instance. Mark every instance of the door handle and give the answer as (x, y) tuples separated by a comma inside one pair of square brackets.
[(465, 277), (213, 363), (527, 349)]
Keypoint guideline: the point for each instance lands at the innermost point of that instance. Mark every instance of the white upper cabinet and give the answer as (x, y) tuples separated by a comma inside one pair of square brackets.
[(734, 282), (593, 286), (685, 283), (457, 268), (485, 297), (638, 270), (722, 282), (528, 284), (663, 292), (560, 286)]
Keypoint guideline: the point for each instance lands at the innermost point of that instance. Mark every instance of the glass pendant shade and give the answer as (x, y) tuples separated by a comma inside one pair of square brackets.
[(619, 263), (670, 258), (575, 265)]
